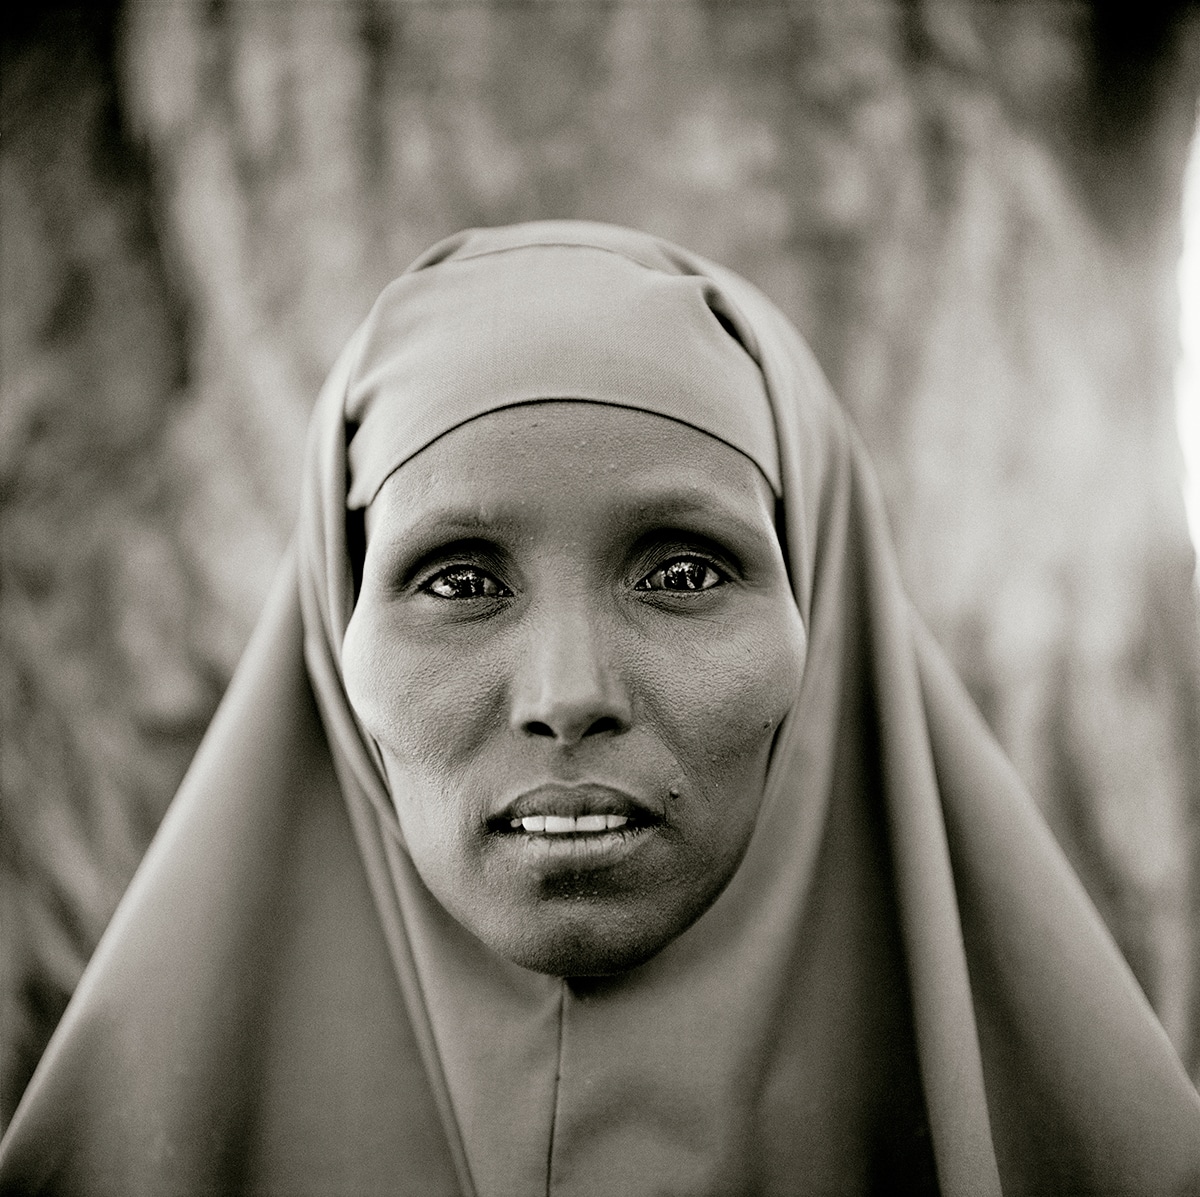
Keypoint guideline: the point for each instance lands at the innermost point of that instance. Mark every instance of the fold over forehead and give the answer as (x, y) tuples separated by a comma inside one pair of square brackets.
[(502, 321)]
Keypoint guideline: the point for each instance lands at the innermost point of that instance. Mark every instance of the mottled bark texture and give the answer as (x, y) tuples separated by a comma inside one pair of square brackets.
[(970, 209)]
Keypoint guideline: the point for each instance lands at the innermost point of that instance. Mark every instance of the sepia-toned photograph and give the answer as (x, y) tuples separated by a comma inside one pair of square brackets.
[(599, 598)]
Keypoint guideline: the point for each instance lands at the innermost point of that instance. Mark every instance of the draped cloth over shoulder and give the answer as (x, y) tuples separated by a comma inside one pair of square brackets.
[(903, 989)]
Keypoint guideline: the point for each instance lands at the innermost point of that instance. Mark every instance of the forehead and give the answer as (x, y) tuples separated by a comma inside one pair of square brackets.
[(566, 459)]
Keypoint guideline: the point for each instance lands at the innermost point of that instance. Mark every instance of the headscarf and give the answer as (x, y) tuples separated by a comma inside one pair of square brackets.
[(903, 987)]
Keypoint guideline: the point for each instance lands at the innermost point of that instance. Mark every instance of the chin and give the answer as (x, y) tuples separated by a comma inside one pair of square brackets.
[(579, 954), (578, 938)]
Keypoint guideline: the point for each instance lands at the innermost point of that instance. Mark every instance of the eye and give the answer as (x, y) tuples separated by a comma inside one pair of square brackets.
[(683, 574), (465, 582)]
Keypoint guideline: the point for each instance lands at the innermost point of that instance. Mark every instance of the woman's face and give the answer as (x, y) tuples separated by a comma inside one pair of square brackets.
[(574, 643)]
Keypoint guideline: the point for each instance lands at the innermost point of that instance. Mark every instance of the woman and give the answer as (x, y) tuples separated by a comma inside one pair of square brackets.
[(639, 839)]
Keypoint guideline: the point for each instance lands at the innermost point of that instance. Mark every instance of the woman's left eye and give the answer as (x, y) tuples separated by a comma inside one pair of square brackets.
[(683, 574), (465, 582)]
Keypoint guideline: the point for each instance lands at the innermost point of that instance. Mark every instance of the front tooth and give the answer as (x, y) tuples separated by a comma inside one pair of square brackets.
[(611, 821), (558, 824), (534, 822), (590, 822)]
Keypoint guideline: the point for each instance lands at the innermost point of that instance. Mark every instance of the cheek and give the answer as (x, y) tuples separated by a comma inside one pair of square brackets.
[(427, 714), (721, 703)]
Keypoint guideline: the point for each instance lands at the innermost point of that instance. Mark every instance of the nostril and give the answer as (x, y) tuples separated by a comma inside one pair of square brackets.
[(606, 723)]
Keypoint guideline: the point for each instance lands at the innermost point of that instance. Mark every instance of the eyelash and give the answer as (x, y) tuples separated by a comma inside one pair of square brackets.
[(709, 567), (464, 572), (475, 576)]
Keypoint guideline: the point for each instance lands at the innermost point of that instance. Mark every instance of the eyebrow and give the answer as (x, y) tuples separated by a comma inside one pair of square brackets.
[(671, 506), (646, 507)]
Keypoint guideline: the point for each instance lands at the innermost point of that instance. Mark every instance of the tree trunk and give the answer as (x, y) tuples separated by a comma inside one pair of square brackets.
[(970, 210)]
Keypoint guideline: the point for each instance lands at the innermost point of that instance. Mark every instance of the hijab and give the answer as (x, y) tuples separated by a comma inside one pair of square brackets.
[(902, 989)]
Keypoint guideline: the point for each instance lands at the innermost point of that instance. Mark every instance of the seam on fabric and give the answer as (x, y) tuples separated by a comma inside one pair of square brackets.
[(603, 249), (752, 350), (683, 269), (558, 1069)]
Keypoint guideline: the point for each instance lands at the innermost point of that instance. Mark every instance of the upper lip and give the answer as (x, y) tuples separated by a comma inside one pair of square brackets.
[(574, 801)]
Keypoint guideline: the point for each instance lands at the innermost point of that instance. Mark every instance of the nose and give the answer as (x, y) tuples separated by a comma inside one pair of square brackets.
[(568, 686)]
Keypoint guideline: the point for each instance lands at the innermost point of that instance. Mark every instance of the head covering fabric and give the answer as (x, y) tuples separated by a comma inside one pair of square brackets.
[(902, 989), (525, 326)]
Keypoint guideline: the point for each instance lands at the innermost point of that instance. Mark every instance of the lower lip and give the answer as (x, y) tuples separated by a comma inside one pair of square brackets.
[(575, 850)]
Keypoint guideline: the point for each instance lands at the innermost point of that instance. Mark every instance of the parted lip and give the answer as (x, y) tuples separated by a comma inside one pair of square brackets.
[(574, 801)]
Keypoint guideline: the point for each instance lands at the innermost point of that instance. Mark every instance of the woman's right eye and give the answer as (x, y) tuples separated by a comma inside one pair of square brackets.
[(465, 582)]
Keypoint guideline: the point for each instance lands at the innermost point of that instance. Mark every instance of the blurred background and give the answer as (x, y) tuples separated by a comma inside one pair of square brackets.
[(971, 209)]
